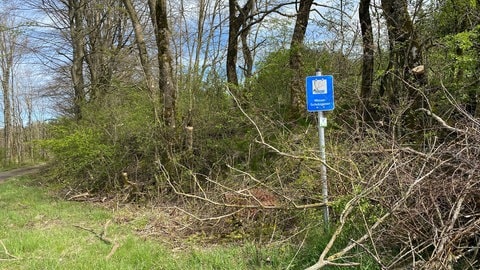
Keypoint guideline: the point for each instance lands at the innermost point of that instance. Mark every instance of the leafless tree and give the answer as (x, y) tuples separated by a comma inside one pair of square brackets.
[(76, 13), (167, 84), (9, 48), (145, 60), (238, 16), (106, 38)]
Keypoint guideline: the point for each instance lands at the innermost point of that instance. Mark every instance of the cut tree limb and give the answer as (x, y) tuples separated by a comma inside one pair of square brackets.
[(101, 235)]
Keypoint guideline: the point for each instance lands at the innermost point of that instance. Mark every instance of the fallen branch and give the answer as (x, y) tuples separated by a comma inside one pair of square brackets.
[(12, 257), (207, 218), (441, 121), (78, 196), (101, 235), (323, 260), (205, 198), (114, 249)]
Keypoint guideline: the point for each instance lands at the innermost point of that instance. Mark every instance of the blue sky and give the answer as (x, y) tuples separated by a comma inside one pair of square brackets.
[(29, 75)]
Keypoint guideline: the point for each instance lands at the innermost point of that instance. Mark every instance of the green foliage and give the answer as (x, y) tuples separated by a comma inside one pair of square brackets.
[(461, 50), (270, 88), (456, 65), (77, 149), (317, 239), (452, 17), (113, 137)]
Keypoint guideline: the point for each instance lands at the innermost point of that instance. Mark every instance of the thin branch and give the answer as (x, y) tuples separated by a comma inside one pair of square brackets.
[(322, 261), (112, 251), (442, 122), (207, 218), (262, 141), (297, 252), (7, 253), (98, 235), (288, 199), (246, 115)]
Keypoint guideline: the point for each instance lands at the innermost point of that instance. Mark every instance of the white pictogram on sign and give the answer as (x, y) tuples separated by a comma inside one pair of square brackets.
[(319, 86)]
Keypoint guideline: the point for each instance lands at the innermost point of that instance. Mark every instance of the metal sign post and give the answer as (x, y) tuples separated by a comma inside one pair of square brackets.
[(319, 99)]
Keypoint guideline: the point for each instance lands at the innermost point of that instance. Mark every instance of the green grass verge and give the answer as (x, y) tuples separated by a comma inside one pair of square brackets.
[(39, 231)]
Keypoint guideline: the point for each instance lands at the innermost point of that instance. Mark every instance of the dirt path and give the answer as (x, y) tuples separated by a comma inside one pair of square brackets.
[(19, 172)]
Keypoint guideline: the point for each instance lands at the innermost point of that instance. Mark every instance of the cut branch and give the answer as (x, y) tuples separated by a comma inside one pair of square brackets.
[(12, 257), (101, 235), (441, 121)]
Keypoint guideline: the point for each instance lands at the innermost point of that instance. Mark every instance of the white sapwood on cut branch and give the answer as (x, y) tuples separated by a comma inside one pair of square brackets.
[(441, 121)]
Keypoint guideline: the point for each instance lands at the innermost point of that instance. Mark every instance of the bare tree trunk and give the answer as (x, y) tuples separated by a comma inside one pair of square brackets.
[(29, 131), (232, 49), (297, 85), (7, 106), (237, 17), (77, 35), (8, 40), (247, 53), (143, 55), (368, 50), (18, 129), (158, 12), (405, 53)]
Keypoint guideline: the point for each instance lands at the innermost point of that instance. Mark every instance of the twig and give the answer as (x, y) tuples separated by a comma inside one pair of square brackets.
[(217, 203), (104, 232), (330, 260), (246, 115), (82, 195), (373, 255), (271, 147), (208, 218), (114, 249), (298, 251), (100, 236), (441, 121), (288, 199), (7, 253)]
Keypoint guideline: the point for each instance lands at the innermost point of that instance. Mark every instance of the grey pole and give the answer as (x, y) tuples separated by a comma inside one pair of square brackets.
[(322, 122)]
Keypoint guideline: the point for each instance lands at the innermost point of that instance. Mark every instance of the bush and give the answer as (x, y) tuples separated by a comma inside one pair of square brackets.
[(78, 151), (112, 138)]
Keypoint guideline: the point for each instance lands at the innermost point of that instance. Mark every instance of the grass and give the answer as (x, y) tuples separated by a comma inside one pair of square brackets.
[(40, 231)]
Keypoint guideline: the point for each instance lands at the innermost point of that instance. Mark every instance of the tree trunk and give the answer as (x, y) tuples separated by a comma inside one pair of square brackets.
[(247, 53), (297, 85), (77, 35), (143, 55), (8, 41), (7, 62), (237, 17), (399, 80), (158, 11), (368, 51), (232, 49)]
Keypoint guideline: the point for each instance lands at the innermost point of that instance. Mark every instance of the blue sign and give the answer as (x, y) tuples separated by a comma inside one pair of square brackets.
[(320, 93)]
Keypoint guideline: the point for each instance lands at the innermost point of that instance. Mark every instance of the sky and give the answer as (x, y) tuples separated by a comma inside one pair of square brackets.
[(29, 75)]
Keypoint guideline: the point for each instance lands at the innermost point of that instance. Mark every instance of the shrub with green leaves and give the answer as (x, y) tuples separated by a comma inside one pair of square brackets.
[(78, 151), (114, 136)]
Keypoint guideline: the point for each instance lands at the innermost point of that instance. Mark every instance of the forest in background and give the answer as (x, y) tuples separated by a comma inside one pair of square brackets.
[(201, 104)]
